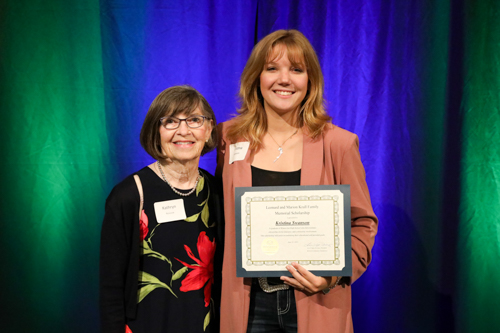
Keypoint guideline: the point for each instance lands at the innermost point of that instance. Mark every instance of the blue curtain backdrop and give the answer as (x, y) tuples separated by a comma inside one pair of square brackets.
[(417, 81)]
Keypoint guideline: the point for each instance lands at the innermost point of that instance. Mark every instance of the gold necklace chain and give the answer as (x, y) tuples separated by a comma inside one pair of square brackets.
[(279, 146)]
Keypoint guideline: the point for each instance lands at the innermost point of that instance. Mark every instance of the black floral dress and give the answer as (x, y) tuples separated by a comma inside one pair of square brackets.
[(176, 269)]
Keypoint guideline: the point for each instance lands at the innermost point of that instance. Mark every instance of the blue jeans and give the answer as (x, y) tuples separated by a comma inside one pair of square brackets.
[(272, 312)]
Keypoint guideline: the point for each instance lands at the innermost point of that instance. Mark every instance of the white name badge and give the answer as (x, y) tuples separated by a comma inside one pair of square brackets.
[(170, 210), (238, 151)]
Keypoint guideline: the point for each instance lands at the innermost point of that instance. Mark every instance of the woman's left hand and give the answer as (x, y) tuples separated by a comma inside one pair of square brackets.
[(306, 281)]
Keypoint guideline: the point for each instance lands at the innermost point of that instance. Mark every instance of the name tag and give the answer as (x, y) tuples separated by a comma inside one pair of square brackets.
[(170, 210), (238, 151)]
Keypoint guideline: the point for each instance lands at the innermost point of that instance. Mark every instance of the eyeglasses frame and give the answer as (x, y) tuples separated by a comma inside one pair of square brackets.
[(184, 119)]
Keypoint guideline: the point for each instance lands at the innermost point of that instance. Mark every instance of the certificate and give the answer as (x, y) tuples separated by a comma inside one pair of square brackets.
[(278, 225)]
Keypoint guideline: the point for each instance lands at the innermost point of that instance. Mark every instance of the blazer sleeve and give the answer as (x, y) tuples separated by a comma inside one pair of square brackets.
[(364, 223)]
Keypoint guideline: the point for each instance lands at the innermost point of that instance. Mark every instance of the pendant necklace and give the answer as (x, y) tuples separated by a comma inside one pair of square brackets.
[(279, 146), (173, 188)]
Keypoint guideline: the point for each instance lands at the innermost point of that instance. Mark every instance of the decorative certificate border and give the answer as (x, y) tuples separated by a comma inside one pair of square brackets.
[(335, 255), (250, 200)]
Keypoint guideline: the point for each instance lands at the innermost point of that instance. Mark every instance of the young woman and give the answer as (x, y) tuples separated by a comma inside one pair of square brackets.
[(291, 142)]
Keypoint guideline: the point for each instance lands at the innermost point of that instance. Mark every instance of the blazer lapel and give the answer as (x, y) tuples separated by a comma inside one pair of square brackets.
[(242, 172), (312, 161)]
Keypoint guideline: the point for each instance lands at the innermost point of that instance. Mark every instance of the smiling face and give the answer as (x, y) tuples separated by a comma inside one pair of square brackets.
[(185, 144), (283, 85)]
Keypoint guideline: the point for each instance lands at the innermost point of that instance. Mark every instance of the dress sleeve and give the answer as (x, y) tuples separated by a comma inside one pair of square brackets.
[(114, 256), (364, 223)]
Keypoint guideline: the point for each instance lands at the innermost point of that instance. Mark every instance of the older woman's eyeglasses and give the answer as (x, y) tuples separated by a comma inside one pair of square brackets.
[(195, 121)]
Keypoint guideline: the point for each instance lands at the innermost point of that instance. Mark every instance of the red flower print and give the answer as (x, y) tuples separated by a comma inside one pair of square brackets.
[(202, 274), (127, 329), (143, 224)]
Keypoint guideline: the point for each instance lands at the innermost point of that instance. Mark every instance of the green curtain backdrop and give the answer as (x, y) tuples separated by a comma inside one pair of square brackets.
[(418, 81), (479, 230), (55, 168)]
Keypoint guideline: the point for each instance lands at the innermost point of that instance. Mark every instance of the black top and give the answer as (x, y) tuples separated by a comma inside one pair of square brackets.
[(261, 177), (173, 289), (176, 266)]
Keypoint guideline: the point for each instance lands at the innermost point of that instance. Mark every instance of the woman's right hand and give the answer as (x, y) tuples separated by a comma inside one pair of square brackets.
[(306, 281)]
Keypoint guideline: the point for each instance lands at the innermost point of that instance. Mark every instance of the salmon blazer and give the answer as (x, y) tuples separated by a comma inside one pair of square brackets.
[(332, 159)]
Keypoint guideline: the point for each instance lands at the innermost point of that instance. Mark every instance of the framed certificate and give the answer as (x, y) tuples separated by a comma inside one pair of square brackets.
[(278, 225)]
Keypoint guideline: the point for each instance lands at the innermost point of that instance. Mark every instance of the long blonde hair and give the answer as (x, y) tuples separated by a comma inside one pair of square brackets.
[(251, 121)]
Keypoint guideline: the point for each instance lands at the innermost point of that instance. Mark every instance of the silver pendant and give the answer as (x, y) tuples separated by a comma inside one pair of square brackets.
[(281, 152)]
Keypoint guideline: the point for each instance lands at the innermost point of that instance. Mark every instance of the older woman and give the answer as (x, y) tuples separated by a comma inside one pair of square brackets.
[(159, 235), (291, 142)]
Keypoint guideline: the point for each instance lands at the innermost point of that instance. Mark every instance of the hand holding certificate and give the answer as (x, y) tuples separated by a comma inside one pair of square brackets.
[(276, 226)]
